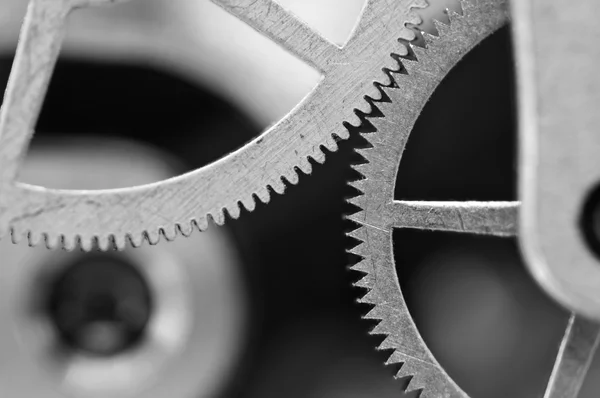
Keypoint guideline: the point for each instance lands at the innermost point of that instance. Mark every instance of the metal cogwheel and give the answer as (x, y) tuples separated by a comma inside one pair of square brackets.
[(178, 205), (379, 214)]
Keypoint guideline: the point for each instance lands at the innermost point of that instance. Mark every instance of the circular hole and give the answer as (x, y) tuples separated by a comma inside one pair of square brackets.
[(100, 305), (590, 221)]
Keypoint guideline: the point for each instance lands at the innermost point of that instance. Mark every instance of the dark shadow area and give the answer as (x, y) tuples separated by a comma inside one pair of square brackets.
[(463, 146)]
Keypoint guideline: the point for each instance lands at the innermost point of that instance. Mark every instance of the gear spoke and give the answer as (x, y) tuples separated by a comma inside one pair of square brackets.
[(574, 357), (39, 46), (484, 218), (284, 28), (40, 41)]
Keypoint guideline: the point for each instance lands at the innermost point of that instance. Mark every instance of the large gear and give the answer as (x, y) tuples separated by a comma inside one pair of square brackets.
[(178, 205), (379, 214)]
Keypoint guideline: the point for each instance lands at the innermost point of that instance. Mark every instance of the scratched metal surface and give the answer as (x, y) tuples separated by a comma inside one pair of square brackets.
[(379, 213), (253, 173)]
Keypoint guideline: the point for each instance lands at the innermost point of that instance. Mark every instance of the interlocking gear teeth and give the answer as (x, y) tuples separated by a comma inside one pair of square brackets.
[(418, 73), (275, 159)]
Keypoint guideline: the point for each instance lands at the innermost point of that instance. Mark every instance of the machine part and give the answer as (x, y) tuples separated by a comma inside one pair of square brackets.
[(180, 204), (189, 346), (379, 213), (197, 41), (559, 164)]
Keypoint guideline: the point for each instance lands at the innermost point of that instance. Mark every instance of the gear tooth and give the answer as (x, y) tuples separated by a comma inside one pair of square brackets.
[(420, 52), (358, 234), (50, 241), (278, 186), (16, 236), (120, 242), (381, 137), (390, 64), (453, 16), (136, 240), (358, 201), (354, 120), (153, 236), (372, 297), (383, 327), (331, 144), (77, 241), (442, 28), (367, 109), (234, 211), (359, 249), (358, 185), (186, 228), (385, 134), (421, 370), (362, 168), (414, 383), (87, 244), (343, 133), (388, 79), (390, 91), (366, 153), (372, 92), (266, 198), (402, 372), (170, 232), (366, 282), (318, 156), (376, 95), (403, 49), (393, 360), (411, 66), (407, 34), (430, 40), (264, 195), (374, 314), (409, 370), (365, 300), (249, 203), (33, 239), (69, 243), (388, 343), (219, 217), (362, 266), (305, 166), (202, 223), (292, 177), (105, 243)]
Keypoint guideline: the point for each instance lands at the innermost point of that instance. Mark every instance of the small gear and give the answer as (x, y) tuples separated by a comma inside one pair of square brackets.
[(178, 205), (393, 118)]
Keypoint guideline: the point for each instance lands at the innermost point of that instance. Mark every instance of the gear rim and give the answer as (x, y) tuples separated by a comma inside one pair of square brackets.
[(113, 218), (411, 87)]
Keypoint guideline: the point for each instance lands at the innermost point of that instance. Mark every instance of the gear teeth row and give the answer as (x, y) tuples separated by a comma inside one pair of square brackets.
[(420, 371), (233, 211), (374, 92), (287, 175)]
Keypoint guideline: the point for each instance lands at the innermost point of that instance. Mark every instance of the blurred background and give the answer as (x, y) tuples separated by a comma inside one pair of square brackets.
[(264, 306)]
